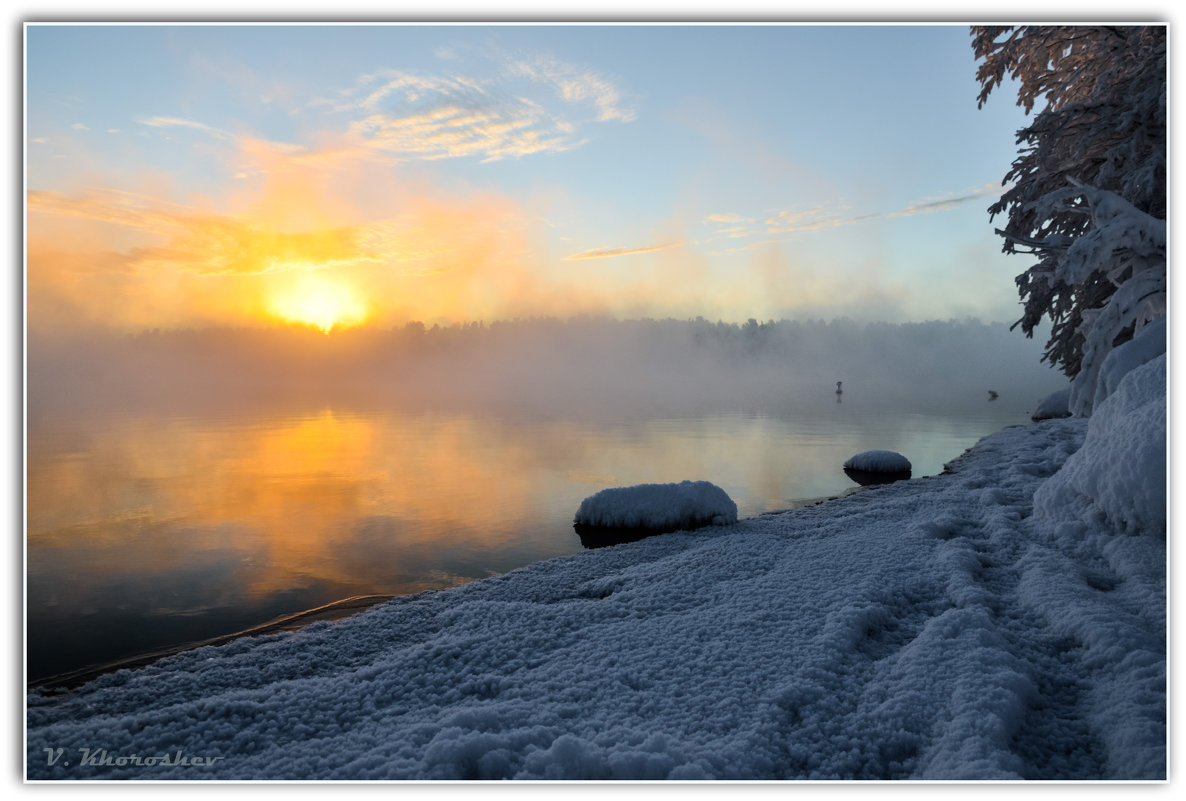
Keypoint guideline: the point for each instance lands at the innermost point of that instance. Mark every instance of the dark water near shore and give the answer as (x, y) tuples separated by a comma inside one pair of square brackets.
[(147, 528)]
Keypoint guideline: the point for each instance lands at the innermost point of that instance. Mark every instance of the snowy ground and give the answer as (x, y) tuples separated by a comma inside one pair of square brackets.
[(929, 629)]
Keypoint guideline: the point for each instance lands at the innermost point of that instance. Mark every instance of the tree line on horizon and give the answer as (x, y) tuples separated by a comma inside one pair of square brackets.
[(664, 361)]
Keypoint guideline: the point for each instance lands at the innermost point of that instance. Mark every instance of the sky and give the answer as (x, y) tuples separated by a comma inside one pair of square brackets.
[(202, 175)]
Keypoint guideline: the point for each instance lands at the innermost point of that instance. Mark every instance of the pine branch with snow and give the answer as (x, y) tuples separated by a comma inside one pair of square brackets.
[(1102, 130)]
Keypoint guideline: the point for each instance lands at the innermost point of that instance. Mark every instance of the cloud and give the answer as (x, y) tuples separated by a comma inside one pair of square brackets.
[(451, 131), (609, 253), (575, 85), (208, 244), (375, 89), (78, 126), (790, 221), (108, 206), (736, 226), (813, 219), (737, 231), (496, 116), (177, 122), (130, 261), (943, 204)]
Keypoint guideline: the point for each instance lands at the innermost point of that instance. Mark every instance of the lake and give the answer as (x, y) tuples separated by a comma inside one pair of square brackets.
[(147, 528)]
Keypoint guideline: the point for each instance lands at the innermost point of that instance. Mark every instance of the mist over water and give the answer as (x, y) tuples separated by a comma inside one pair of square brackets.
[(183, 485), (572, 369)]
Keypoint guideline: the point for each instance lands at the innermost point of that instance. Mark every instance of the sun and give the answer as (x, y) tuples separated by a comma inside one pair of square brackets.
[(319, 301)]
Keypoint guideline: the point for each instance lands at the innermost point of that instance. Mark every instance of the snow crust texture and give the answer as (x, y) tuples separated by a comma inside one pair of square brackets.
[(667, 507), (929, 629), (879, 462)]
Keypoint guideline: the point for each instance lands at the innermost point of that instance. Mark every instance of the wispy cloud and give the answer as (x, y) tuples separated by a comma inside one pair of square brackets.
[(109, 206), (205, 243), (575, 84), (928, 205), (454, 131), (424, 239), (178, 122), (815, 218), (735, 225), (496, 116), (609, 253), (502, 113), (830, 216), (738, 231)]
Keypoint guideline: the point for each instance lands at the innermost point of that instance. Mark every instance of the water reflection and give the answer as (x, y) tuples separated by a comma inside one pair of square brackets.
[(151, 529)]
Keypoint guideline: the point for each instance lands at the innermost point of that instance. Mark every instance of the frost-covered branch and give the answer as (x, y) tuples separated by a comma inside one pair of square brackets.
[(1087, 192)]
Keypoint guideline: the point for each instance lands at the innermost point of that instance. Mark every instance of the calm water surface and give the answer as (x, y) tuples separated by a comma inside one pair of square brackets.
[(148, 529)]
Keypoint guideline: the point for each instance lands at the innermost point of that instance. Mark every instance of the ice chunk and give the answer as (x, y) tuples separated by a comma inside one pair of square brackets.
[(879, 462), (664, 507)]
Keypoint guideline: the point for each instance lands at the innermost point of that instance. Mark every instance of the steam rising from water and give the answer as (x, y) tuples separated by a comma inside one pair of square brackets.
[(582, 366)]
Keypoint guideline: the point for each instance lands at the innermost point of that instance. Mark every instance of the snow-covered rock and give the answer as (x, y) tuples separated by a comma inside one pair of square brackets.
[(878, 462), (663, 507), (1054, 405), (1117, 480)]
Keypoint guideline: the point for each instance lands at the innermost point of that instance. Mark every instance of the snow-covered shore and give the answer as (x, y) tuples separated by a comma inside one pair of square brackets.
[(934, 629)]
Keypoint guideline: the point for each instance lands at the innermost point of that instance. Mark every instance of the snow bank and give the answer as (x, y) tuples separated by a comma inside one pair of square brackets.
[(1117, 480), (1147, 345), (662, 507), (1056, 404), (924, 629), (879, 462)]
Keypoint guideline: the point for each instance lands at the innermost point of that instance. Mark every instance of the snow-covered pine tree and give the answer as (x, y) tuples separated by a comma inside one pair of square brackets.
[(1087, 192)]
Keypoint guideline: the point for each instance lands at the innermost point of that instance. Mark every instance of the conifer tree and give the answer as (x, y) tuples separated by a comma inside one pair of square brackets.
[(1087, 192)]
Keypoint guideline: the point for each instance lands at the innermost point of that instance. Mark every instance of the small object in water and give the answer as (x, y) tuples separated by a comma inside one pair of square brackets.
[(838, 389), (992, 395)]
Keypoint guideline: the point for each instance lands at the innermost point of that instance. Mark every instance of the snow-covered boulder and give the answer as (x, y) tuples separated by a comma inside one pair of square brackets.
[(1117, 479), (1056, 404), (645, 509), (879, 462), (877, 467)]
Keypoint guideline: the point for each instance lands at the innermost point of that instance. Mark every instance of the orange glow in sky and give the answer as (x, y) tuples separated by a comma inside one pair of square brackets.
[(321, 302), (478, 174)]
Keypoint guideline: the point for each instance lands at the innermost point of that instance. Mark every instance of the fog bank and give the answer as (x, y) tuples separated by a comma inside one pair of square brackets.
[(544, 365)]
